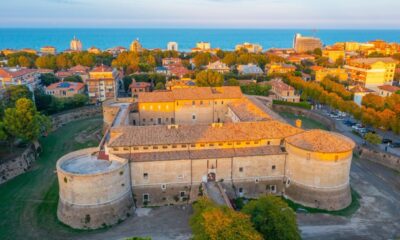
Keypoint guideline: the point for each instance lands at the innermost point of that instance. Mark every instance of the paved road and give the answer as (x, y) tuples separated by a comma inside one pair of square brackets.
[(214, 193), (378, 216)]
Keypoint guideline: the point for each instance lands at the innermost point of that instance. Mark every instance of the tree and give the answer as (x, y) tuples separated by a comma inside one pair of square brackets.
[(339, 62), (3, 133), (201, 59), (46, 61), (232, 82), (209, 79), (213, 222), (159, 86), (230, 59), (15, 92), (318, 51), (373, 138), (48, 78), (24, 121), (74, 78), (273, 218)]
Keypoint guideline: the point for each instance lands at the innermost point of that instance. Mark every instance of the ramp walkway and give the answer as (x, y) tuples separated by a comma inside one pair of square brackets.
[(215, 192)]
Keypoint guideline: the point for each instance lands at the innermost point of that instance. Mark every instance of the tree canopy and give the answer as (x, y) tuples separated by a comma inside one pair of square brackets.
[(209, 78), (273, 218), (212, 222)]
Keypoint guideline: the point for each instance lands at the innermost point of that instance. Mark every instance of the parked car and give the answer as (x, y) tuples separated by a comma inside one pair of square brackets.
[(349, 123), (395, 145), (386, 140)]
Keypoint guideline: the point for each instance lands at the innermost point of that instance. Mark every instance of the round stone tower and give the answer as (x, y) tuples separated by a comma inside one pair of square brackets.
[(95, 189), (318, 169)]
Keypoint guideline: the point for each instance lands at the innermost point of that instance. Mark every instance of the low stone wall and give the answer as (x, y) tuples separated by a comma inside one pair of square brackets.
[(20, 164), (386, 159), (60, 119), (307, 113)]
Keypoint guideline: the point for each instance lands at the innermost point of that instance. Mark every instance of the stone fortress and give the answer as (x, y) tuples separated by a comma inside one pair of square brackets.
[(160, 147)]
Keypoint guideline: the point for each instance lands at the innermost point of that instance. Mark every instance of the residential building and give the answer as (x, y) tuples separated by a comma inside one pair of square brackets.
[(29, 50), (171, 61), (115, 51), (371, 72), (48, 50), (279, 68), (333, 54), (249, 47), (359, 92), (19, 76), (180, 83), (218, 66), (298, 58), (172, 46), (103, 83), (387, 90), (304, 44), (203, 46), (94, 50), (76, 45), (250, 69), (137, 87), (283, 91), (81, 71), (65, 89), (136, 46), (339, 73)]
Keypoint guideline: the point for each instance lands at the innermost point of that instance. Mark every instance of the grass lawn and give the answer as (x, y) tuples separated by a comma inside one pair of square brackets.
[(28, 203), (307, 123)]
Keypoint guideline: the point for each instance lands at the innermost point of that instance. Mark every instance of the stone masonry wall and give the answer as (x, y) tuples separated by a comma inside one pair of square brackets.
[(18, 165), (385, 159), (60, 119)]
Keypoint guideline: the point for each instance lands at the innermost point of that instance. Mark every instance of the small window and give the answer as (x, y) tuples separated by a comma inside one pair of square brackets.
[(165, 146), (155, 147), (273, 188), (220, 144), (255, 142), (211, 144), (273, 167), (241, 169), (145, 176), (135, 148), (184, 146), (202, 145), (151, 119), (192, 145), (144, 119), (229, 144), (222, 102), (174, 146), (247, 143), (238, 143), (201, 102), (126, 149), (269, 142), (159, 120), (163, 186), (145, 148), (182, 193), (240, 190), (193, 103), (256, 180), (194, 117), (146, 197)]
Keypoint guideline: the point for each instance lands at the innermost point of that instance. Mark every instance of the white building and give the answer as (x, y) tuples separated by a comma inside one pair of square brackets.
[(172, 46)]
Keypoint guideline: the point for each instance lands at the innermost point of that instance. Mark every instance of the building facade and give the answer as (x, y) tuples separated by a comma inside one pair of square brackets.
[(103, 83), (304, 44), (76, 45), (65, 89)]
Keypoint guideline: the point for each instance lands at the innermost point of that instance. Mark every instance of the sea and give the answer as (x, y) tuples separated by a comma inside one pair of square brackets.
[(225, 39)]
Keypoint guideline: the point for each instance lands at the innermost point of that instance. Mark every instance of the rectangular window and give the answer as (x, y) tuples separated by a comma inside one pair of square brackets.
[(165, 147), (145, 148), (144, 119), (135, 148), (126, 149), (159, 120), (194, 117), (273, 167), (192, 145), (247, 143), (273, 188), (146, 197), (211, 144), (151, 119), (155, 147), (240, 190), (174, 146), (163, 187), (220, 144), (145, 176), (184, 146), (240, 169), (193, 103), (182, 193), (202, 145)]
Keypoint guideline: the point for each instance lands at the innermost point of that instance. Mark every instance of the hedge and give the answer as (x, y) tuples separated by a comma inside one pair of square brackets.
[(304, 105)]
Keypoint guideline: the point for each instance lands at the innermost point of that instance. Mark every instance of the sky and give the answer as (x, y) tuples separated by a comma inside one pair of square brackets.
[(318, 14)]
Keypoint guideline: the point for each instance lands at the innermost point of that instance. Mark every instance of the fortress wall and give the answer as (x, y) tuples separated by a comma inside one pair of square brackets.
[(158, 196), (60, 119), (318, 170), (258, 167), (105, 196), (329, 199), (317, 179), (386, 159)]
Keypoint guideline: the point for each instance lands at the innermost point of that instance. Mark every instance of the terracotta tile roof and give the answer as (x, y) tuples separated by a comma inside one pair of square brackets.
[(79, 68), (389, 88), (69, 86), (186, 134), (321, 141), (63, 74), (280, 86), (360, 88), (247, 111), (197, 93), (203, 154), (13, 73)]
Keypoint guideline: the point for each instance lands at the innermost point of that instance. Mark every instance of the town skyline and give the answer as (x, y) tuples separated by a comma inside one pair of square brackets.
[(201, 14)]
